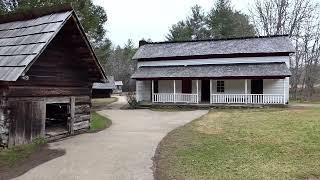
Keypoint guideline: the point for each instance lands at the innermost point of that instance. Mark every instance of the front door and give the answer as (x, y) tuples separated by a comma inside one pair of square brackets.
[(257, 86), (187, 86), (205, 91)]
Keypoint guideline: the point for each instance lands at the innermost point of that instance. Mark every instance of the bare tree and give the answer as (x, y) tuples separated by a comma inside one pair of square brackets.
[(300, 20)]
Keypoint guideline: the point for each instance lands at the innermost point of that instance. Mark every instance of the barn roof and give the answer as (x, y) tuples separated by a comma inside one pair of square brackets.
[(213, 71), (118, 83), (24, 36), (108, 85), (233, 46)]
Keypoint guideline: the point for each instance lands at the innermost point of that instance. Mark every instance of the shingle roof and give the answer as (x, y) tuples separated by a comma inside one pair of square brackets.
[(118, 83), (22, 41), (108, 85), (252, 45), (214, 71)]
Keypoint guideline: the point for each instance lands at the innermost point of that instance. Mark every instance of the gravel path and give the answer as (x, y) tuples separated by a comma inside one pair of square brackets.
[(124, 151)]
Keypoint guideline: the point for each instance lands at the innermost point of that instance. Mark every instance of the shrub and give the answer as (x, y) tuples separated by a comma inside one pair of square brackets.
[(132, 100)]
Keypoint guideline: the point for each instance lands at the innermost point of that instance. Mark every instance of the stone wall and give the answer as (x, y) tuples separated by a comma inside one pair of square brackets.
[(4, 123)]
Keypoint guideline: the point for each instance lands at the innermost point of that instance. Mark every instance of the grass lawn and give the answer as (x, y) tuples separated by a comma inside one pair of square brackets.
[(103, 101), (305, 102), (10, 157), (99, 122), (243, 144)]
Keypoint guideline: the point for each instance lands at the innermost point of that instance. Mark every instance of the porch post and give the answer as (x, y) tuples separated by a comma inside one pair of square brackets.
[(174, 91), (210, 91), (246, 89), (152, 90), (197, 91), (284, 91)]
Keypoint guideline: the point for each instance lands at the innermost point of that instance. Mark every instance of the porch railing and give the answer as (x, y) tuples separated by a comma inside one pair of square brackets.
[(247, 99), (172, 98)]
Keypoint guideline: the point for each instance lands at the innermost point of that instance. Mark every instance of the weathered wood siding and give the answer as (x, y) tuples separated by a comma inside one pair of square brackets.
[(60, 75)]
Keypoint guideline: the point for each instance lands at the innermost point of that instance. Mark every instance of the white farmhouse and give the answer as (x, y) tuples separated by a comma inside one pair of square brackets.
[(251, 70)]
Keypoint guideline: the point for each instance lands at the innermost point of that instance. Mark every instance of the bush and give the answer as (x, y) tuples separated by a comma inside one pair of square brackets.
[(132, 100)]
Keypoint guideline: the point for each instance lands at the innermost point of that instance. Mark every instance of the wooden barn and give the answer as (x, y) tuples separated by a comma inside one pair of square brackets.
[(47, 68)]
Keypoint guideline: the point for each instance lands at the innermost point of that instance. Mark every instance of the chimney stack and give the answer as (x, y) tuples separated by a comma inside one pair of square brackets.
[(142, 42)]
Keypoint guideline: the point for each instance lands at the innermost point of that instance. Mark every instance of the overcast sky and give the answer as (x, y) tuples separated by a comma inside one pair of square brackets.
[(128, 19)]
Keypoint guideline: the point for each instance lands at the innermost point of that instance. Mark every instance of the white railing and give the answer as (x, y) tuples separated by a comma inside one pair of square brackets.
[(247, 99), (174, 98)]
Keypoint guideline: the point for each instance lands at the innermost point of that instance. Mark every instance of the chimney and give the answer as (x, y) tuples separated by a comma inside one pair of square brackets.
[(142, 42)]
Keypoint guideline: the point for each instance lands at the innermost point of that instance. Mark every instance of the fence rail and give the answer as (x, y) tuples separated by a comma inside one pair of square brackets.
[(247, 99), (172, 98), (220, 98)]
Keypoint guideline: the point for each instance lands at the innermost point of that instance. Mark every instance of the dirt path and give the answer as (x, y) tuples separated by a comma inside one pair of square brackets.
[(124, 151)]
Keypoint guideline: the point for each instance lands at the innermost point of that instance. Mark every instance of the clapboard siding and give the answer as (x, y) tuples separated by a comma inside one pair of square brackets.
[(276, 86), (143, 90), (216, 61)]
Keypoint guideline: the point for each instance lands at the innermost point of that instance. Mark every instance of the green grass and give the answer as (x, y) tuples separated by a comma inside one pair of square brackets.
[(103, 101), (305, 102), (99, 122), (243, 144), (10, 157)]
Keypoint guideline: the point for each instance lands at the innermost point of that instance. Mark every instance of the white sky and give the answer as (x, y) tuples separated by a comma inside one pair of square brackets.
[(137, 19)]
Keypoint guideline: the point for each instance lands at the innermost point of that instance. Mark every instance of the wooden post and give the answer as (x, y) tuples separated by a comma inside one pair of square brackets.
[(246, 90), (174, 91), (197, 91), (284, 91), (152, 90), (72, 113), (210, 91)]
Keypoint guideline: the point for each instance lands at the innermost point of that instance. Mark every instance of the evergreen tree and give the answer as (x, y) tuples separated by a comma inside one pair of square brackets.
[(193, 28), (224, 22), (221, 22)]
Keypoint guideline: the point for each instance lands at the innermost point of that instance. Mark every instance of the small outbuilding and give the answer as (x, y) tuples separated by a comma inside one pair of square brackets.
[(47, 68), (118, 85), (103, 90)]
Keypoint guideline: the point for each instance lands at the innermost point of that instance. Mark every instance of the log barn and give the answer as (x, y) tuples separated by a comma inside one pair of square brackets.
[(47, 68)]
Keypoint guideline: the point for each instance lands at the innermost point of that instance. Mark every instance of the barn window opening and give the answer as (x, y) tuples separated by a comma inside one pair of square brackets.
[(57, 119)]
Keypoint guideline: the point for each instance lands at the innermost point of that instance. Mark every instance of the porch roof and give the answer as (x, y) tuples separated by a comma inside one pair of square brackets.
[(226, 71)]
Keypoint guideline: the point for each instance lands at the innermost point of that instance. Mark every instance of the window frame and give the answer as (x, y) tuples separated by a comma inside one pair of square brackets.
[(220, 86)]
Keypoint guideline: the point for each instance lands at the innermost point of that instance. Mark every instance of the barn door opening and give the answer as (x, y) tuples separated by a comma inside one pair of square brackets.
[(58, 118)]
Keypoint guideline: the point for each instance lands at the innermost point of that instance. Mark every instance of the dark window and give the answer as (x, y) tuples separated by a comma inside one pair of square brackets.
[(257, 86), (156, 86), (187, 86), (220, 86)]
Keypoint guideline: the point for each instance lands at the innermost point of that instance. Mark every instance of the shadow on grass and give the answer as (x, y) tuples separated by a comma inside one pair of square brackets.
[(40, 156)]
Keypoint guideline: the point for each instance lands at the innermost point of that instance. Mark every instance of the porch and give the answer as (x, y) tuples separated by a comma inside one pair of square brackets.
[(261, 83), (247, 91)]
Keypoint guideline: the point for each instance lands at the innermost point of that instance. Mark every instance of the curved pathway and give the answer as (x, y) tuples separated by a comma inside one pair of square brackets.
[(122, 152)]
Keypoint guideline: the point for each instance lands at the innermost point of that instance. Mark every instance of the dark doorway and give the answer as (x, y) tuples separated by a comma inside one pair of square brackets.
[(257, 86), (57, 119), (205, 90), (187, 86)]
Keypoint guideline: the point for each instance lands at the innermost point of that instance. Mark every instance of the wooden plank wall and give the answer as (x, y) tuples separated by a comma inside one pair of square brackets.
[(27, 118), (82, 113), (64, 73)]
